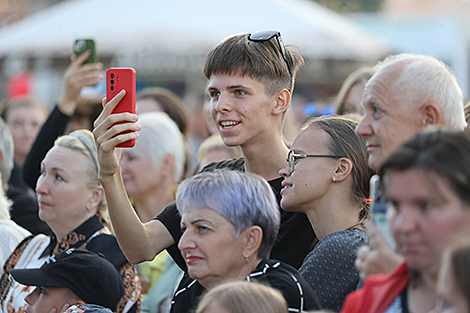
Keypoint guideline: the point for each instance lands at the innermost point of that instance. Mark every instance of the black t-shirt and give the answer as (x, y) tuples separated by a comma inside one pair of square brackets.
[(297, 292), (295, 236)]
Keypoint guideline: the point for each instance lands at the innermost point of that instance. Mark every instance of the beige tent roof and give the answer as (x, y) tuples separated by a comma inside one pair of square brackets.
[(186, 27)]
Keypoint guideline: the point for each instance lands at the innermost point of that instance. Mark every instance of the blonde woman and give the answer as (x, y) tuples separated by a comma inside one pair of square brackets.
[(71, 202)]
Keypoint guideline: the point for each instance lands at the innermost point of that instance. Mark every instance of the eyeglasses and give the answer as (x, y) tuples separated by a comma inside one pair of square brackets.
[(292, 157), (265, 35)]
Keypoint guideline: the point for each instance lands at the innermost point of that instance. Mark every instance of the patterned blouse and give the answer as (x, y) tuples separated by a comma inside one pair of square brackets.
[(329, 267)]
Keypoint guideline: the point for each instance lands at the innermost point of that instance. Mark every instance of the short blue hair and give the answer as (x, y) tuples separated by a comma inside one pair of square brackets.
[(244, 199)]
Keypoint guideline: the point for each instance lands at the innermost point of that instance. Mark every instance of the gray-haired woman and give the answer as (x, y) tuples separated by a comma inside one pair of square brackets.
[(230, 222)]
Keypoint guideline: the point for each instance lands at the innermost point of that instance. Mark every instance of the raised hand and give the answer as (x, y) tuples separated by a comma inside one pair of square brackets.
[(381, 259), (108, 134), (77, 76)]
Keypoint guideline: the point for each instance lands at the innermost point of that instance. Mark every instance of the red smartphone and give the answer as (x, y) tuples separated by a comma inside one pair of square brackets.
[(117, 79)]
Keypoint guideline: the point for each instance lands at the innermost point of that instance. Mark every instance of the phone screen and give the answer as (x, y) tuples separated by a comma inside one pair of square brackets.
[(379, 211)]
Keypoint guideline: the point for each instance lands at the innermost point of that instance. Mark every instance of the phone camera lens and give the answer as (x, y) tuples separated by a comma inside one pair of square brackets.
[(112, 75), (112, 82), (79, 45), (112, 88)]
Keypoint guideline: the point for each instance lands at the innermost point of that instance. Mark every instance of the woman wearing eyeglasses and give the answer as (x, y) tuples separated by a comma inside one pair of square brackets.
[(327, 178)]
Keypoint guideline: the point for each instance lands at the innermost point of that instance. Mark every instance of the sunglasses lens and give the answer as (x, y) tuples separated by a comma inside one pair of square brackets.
[(290, 161), (263, 35)]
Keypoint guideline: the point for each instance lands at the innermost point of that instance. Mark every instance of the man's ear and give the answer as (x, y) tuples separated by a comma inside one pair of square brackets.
[(343, 169), (282, 102), (432, 114)]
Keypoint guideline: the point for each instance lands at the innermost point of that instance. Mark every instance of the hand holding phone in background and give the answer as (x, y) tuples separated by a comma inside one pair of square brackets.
[(80, 75), (380, 256), (80, 46), (379, 211), (118, 79)]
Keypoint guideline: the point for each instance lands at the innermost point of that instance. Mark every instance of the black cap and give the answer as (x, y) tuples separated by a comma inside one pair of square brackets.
[(89, 275)]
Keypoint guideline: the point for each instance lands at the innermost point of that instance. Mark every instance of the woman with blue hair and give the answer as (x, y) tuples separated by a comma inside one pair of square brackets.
[(230, 222)]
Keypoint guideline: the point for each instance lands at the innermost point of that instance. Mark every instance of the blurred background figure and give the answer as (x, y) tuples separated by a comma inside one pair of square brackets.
[(151, 171), (242, 297), (11, 233), (453, 284), (213, 149), (73, 111), (349, 98), (24, 118), (86, 112), (156, 99), (24, 209)]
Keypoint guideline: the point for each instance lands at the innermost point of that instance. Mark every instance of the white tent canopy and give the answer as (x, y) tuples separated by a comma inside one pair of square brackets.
[(184, 26)]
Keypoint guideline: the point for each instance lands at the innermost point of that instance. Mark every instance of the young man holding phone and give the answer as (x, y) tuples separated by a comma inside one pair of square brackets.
[(251, 79)]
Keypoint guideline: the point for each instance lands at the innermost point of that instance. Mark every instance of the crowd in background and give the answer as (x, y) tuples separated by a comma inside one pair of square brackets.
[(236, 217)]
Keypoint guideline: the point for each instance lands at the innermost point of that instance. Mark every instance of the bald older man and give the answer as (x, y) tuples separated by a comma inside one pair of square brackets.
[(407, 93)]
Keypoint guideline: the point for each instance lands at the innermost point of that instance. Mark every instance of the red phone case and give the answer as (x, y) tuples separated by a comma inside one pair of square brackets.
[(117, 79)]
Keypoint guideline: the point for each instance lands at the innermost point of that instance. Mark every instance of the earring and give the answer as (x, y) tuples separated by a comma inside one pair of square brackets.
[(89, 211), (334, 178)]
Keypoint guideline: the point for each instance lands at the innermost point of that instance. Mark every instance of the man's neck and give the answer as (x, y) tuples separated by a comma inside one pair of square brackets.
[(266, 159)]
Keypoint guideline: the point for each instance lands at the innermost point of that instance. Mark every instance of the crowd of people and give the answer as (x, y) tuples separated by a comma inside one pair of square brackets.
[(259, 224)]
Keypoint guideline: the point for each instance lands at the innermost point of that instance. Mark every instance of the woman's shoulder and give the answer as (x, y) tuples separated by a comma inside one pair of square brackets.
[(233, 164), (28, 253), (297, 292), (107, 245), (28, 247), (340, 246), (344, 238)]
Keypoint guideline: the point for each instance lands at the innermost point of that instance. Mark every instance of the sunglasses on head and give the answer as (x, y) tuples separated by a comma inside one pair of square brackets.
[(265, 35)]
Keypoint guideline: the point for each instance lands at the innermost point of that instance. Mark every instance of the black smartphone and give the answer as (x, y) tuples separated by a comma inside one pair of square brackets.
[(379, 211), (82, 45)]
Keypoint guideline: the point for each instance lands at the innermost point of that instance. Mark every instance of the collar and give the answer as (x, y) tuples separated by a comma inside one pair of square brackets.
[(77, 238)]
